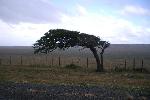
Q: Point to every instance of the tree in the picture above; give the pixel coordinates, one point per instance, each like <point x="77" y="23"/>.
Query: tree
<point x="61" y="38"/>
<point x="103" y="46"/>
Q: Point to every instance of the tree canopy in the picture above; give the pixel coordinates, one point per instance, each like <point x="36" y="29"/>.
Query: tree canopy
<point x="62" y="38"/>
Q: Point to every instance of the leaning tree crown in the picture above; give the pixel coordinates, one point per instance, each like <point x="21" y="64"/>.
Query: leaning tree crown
<point x="62" y="38"/>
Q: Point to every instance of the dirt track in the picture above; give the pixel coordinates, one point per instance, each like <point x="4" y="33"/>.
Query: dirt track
<point x="16" y="91"/>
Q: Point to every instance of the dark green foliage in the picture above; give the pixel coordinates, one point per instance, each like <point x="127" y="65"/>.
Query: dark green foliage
<point x="144" y="70"/>
<point x="72" y="66"/>
<point x="57" y="38"/>
<point x="61" y="38"/>
<point x="119" y="69"/>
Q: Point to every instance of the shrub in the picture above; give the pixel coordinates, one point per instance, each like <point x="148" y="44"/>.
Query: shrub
<point x="72" y="66"/>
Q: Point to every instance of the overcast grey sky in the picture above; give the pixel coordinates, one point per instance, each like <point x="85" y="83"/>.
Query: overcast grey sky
<point x="22" y="22"/>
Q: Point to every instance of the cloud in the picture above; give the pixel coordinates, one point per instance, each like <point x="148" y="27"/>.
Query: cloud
<point x="21" y="34"/>
<point x="81" y="10"/>
<point x="110" y="28"/>
<point x="137" y="10"/>
<point x="34" y="11"/>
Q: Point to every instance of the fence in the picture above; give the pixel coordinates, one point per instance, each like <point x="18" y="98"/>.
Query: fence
<point x="44" y="60"/>
<point x="87" y="62"/>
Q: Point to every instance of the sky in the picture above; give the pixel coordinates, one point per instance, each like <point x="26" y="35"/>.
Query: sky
<point x="23" y="22"/>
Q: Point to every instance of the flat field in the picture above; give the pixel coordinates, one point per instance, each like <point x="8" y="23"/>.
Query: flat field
<point x="38" y="69"/>
<point x="28" y="82"/>
<point x="114" y="56"/>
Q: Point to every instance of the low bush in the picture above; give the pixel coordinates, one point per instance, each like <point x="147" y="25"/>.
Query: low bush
<point x="72" y="66"/>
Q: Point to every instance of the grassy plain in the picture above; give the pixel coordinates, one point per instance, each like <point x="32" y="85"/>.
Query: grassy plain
<point x="36" y="69"/>
<point x="72" y="76"/>
<point x="114" y="56"/>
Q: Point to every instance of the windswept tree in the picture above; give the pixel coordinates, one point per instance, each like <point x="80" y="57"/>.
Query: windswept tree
<point x="61" y="38"/>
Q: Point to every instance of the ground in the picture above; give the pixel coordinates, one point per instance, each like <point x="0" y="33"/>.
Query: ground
<point x="35" y="82"/>
<point x="26" y="91"/>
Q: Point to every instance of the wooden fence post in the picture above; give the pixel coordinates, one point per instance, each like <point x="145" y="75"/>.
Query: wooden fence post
<point x="52" y="61"/>
<point x="10" y="60"/>
<point x="0" y="61"/>
<point x="46" y="60"/>
<point x="125" y="64"/>
<point x="87" y="62"/>
<point x="142" y="66"/>
<point x="72" y="61"/>
<point x="59" y="61"/>
<point x="133" y="63"/>
<point x="79" y="61"/>
<point x="21" y="60"/>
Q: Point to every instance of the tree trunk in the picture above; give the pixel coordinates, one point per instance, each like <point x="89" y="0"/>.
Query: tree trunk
<point x="94" y="51"/>
<point x="102" y="61"/>
<point x="101" y="54"/>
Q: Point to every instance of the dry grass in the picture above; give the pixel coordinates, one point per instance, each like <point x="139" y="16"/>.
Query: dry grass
<point x="79" y="76"/>
<point x="109" y="63"/>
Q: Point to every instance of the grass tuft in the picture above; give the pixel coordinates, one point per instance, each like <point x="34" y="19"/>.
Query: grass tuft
<point x="72" y="66"/>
